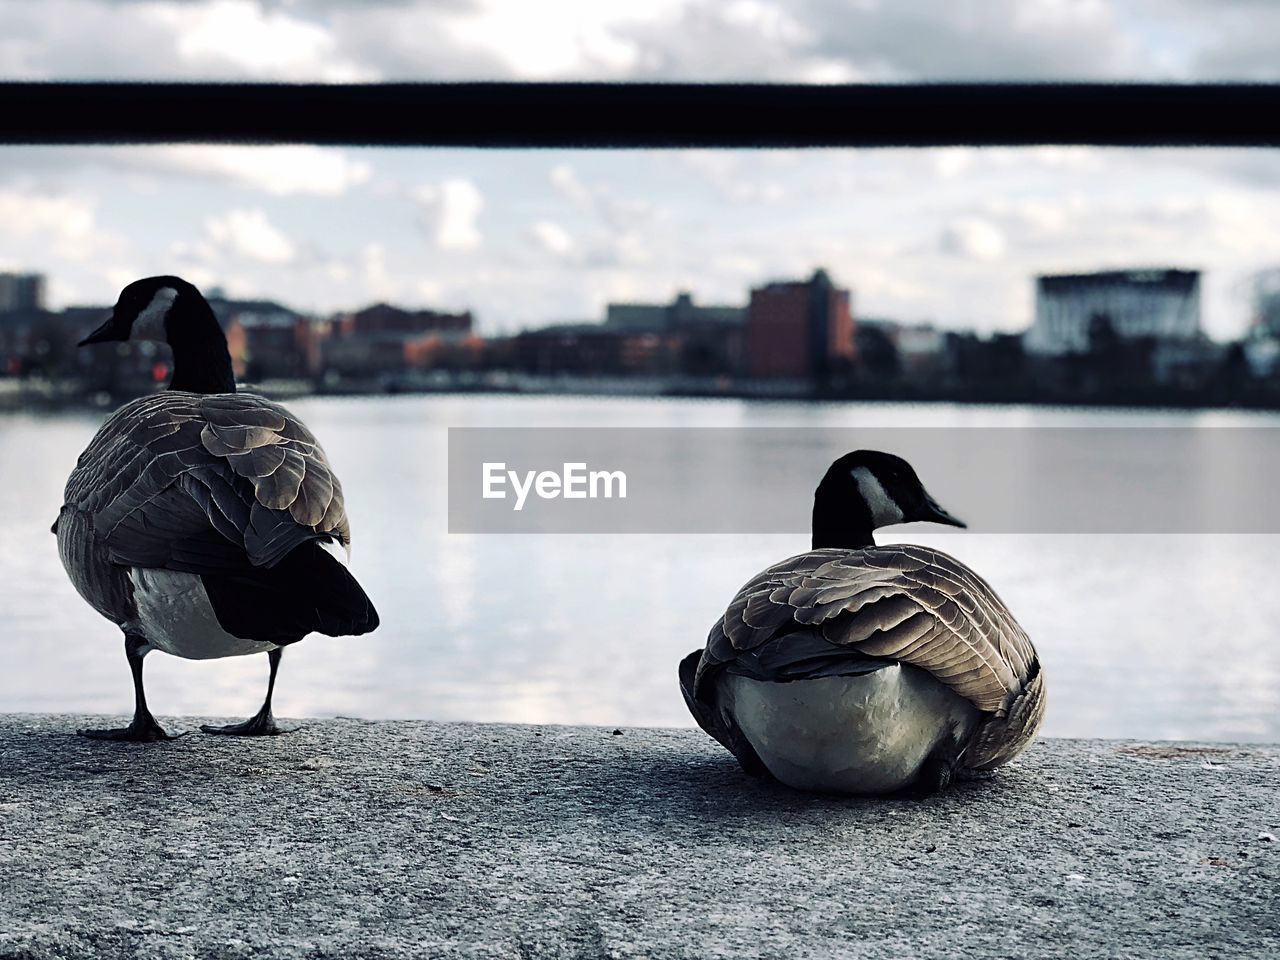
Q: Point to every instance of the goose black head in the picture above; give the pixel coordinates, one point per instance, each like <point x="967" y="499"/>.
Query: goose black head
<point x="170" y="310"/>
<point x="143" y="309"/>
<point x="865" y="490"/>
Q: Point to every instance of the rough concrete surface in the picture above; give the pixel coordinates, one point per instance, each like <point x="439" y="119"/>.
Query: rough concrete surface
<point x="355" y="839"/>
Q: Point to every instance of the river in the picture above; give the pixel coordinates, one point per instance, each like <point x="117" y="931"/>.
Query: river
<point x="1154" y="635"/>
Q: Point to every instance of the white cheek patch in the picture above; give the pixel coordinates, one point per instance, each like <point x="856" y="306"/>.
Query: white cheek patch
<point x="150" y="322"/>
<point x="883" y="509"/>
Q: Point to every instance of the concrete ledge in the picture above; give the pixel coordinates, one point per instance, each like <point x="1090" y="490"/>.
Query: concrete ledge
<point x="354" y="839"/>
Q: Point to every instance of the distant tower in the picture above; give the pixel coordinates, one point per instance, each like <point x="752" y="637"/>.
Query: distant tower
<point x="798" y="329"/>
<point x="1266" y="303"/>
<point x="21" y="291"/>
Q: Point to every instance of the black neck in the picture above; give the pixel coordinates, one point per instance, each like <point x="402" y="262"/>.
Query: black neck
<point x="838" y="522"/>
<point x="201" y="360"/>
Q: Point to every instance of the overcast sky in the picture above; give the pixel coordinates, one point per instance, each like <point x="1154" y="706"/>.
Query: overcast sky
<point x="531" y="237"/>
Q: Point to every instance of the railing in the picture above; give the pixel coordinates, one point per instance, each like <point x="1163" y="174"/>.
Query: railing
<point x="638" y="115"/>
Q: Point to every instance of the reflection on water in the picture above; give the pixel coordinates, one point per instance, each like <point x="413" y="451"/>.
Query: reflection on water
<point x="1151" y="636"/>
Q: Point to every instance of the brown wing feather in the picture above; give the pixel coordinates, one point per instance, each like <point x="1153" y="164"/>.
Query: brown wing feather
<point x="282" y="458"/>
<point x="183" y="473"/>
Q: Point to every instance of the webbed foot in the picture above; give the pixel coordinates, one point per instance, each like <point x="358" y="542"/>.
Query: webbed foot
<point x="261" y="724"/>
<point x="141" y="730"/>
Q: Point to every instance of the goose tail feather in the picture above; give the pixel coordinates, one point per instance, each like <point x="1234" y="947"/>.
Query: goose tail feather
<point x="308" y="591"/>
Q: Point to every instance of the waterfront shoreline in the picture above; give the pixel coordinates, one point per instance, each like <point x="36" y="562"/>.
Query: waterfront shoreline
<point x="16" y="396"/>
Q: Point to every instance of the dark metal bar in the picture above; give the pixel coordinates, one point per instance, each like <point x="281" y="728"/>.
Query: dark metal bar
<point x="641" y="114"/>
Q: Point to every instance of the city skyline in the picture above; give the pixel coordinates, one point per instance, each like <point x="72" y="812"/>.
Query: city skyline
<point x="523" y="238"/>
<point x="26" y="292"/>
<point x="1122" y="337"/>
<point x="950" y="236"/>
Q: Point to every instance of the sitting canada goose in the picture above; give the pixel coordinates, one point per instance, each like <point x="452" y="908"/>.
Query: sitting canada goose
<point x="197" y="518"/>
<point x="857" y="668"/>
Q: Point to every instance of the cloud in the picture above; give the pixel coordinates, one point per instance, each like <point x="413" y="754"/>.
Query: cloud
<point x="744" y="268"/>
<point x="416" y="41"/>
<point x="626" y="249"/>
<point x="601" y="200"/>
<point x="989" y="40"/>
<point x="1218" y="39"/>
<point x="450" y="211"/>
<point x="25" y="214"/>
<point x="167" y="39"/>
<point x="1252" y="168"/>
<point x="824" y="41"/>
<point x="566" y="182"/>
<point x="66" y="39"/>
<point x="278" y="171"/>
<point x="377" y="278"/>
<point x="553" y="38"/>
<point x="752" y="40"/>
<point x="255" y="39"/>
<point x="951" y="162"/>
<point x="972" y="239"/>
<point x="552" y="237"/>
<point x="248" y="234"/>
<point x="616" y="223"/>
<point x="816" y="41"/>
<point x="727" y="172"/>
<point x="119" y="276"/>
<point x="64" y="225"/>
<point x="275" y="170"/>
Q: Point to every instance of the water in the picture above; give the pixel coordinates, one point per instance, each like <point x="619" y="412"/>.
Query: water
<point x="1148" y="636"/>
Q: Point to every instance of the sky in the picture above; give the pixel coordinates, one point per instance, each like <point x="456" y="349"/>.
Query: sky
<point x="525" y="238"/>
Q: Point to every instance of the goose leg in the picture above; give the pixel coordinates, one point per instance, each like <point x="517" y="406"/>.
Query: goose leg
<point x="143" y="728"/>
<point x="938" y="771"/>
<point x="262" y="723"/>
<point x="936" y="774"/>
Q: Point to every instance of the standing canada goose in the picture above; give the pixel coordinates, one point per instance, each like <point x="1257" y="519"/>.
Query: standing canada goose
<point x="857" y="668"/>
<point x="198" y="518"/>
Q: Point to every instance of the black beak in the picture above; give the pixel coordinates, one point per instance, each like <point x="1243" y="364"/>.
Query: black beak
<point x="102" y="334"/>
<point x="935" y="513"/>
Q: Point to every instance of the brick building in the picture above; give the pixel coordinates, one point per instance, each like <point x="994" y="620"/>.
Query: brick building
<point x="266" y="339"/>
<point x="799" y="329"/>
<point x="382" y="318"/>
<point x="383" y="339"/>
<point x="594" y="349"/>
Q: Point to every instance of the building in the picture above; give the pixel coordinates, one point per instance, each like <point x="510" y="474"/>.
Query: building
<point x="33" y="340"/>
<point x="918" y="349"/>
<point x="680" y="314"/>
<point x="922" y="347"/>
<point x="266" y="339"/>
<point x="1266" y="304"/>
<point x="384" y="340"/>
<point x="594" y="349"/>
<point x="21" y="291"/>
<point x="382" y="318"/>
<point x="1072" y="310"/>
<point x="371" y="355"/>
<point x="1261" y="345"/>
<point x="707" y="339"/>
<point x="799" y="329"/>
